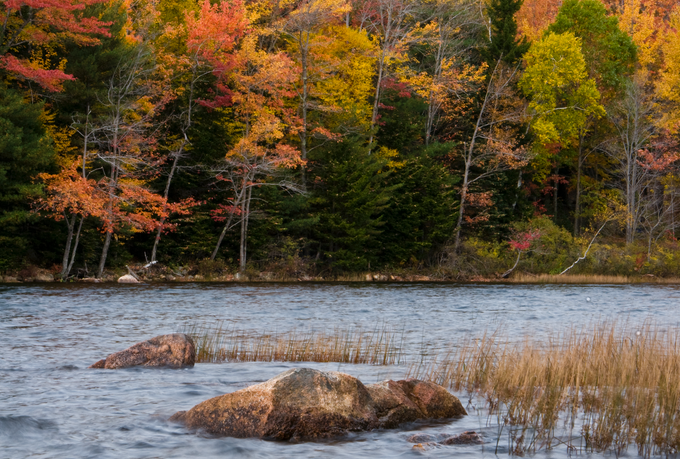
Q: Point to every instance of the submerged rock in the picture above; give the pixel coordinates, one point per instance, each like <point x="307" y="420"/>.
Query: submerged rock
<point x="408" y="400"/>
<point x="176" y="351"/>
<point x="297" y="404"/>
<point x="128" y="279"/>
<point x="469" y="437"/>
<point x="423" y="447"/>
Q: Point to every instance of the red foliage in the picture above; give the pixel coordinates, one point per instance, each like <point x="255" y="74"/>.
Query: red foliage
<point x="223" y="212"/>
<point x="23" y="69"/>
<point x="42" y="22"/>
<point x="213" y="35"/>
<point x="522" y="241"/>
<point x="663" y="152"/>
<point x="392" y="84"/>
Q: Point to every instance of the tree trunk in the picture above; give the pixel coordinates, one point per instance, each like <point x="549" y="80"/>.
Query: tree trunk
<point x="75" y="248"/>
<point x="509" y="271"/>
<point x="557" y="184"/>
<point x="376" y="101"/>
<point x="224" y="231"/>
<point x="461" y="211"/>
<point x="245" y="210"/>
<point x="577" y="206"/>
<point x="67" y="250"/>
<point x="305" y="95"/>
<point x="105" y="252"/>
<point x="165" y="204"/>
<point x="630" y="204"/>
<point x="468" y="162"/>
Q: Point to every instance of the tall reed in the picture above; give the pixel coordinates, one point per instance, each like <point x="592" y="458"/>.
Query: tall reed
<point x="600" y="388"/>
<point x="215" y="343"/>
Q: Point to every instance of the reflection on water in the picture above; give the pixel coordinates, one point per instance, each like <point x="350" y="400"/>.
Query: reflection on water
<point x="52" y="406"/>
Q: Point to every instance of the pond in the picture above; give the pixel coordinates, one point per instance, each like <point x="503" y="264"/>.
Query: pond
<point x="51" y="405"/>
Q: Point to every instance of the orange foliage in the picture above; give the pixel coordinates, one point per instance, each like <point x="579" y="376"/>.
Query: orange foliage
<point x="535" y="16"/>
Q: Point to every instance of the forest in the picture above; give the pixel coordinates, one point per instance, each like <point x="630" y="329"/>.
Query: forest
<point x="315" y="138"/>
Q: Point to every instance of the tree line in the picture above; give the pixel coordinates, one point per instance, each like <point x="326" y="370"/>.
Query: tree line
<point x="331" y="135"/>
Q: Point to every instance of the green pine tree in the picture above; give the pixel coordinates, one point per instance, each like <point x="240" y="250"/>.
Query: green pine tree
<point x="25" y="151"/>
<point x="503" y="43"/>
<point x="349" y="197"/>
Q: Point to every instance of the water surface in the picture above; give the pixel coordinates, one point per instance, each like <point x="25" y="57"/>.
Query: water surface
<point x="51" y="405"/>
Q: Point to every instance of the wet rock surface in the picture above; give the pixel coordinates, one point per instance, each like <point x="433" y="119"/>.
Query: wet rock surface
<point x="306" y="404"/>
<point x="298" y="404"/>
<point x="176" y="350"/>
<point x="425" y="442"/>
<point x="397" y="402"/>
<point x="469" y="437"/>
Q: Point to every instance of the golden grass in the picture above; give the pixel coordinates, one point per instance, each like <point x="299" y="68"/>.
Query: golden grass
<point x="597" y="389"/>
<point x="523" y="278"/>
<point x="380" y="346"/>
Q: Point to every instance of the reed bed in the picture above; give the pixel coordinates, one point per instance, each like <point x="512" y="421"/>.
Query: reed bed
<point x="602" y="388"/>
<point x="217" y="343"/>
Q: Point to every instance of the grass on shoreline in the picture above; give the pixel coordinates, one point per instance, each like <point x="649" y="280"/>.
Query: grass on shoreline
<point x="522" y="278"/>
<point x="380" y="346"/>
<point x="600" y="388"/>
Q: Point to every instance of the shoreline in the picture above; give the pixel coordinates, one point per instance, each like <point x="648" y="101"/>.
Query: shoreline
<point x="363" y="278"/>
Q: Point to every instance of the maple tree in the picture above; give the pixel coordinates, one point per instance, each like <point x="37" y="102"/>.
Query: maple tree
<point x="71" y="196"/>
<point x="43" y="23"/>
<point x="256" y="85"/>
<point x="521" y="242"/>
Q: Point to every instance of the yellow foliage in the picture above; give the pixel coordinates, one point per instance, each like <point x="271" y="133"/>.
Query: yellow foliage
<point x="61" y="137"/>
<point x="637" y="19"/>
<point x="669" y="84"/>
<point x="390" y="155"/>
<point x="562" y="95"/>
<point x="347" y="56"/>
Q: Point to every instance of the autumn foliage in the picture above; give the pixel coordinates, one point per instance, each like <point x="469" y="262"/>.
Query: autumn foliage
<point x="333" y="134"/>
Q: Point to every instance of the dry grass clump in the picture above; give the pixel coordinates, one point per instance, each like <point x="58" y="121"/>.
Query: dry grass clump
<point x="602" y="388"/>
<point x="381" y="346"/>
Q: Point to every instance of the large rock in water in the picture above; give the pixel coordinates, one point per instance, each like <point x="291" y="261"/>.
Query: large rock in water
<point x="297" y="404"/>
<point x="175" y="351"/>
<point x="303" y="404"/>
<point x="408" y="400"/>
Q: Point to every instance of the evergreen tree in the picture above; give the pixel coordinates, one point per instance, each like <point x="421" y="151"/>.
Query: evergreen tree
<point x="503" y="43"/>
<point x="349" y="197"/>
<point x="421" y="216"/>
<point x="25" y="151"/>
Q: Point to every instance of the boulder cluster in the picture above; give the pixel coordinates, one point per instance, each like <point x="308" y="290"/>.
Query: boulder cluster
<point x="298" y="404"/>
